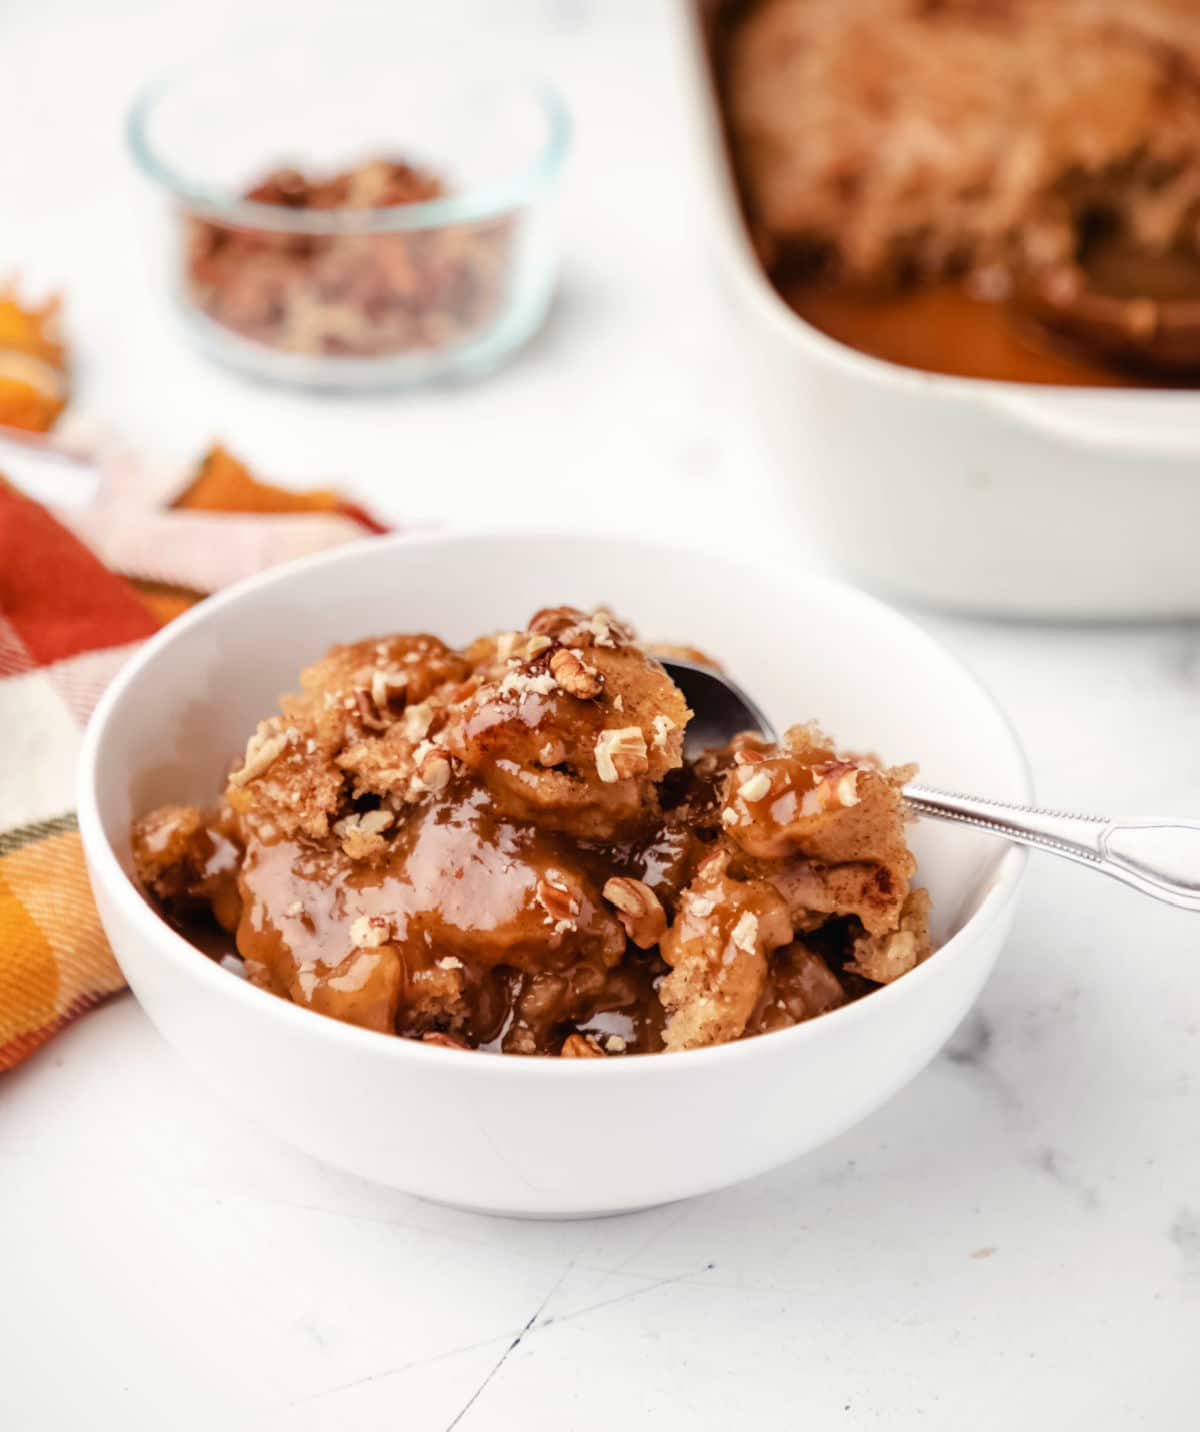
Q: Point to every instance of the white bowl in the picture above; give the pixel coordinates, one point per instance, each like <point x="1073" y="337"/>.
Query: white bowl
<point x="541" y="1136"/>
<point x="1005" y="498"/>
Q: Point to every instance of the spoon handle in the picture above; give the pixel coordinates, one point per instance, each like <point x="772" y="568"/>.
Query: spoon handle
<point x="1158" y="857"/>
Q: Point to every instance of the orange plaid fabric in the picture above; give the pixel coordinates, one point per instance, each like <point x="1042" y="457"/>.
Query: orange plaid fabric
<point x="66" y="625"/>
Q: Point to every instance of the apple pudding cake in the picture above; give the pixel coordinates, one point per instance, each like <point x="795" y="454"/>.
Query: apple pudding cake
<point x="504" y="847"/>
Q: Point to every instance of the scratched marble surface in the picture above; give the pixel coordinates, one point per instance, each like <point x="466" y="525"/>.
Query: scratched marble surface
<point x="1015" y="1239"/>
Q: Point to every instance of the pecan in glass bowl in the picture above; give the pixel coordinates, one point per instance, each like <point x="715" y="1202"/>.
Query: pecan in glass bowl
<point x="368" y="223"/>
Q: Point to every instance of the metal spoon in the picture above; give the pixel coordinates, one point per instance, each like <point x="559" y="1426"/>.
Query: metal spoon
<point x="1158" y="857"/>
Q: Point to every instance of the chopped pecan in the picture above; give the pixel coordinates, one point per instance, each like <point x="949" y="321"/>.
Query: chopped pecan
<point x="432" y="771"/>
<point x="521" y="645"/>
<point x="755" y="787"/>
<point x="663" y="726"/>
<point x="606" y="630"/>
<point x="527" y="683"/>
<point x="368" y="711"/>
<point x="553" y="621"/>
<point x="368" y="932"/>
<point x="747" y="756"/>
<point x="262" y="751"/>
<point x="836" y="785"/>
<point x="389" y="689"/>
<point x="578" y="1046"/>
<point x="362" y="835"/>
<point x="443" y="1041"/>
<point x="620" y="753"/>
<point x="350" y="294"/>
<point x="639" y="910"/>
<point x="560" y="905"/>
<point x="372" y="822"/>
<point x="576" y="676"/>
<point x="417" y="720"/>
<point x="745" y="932"/>
<point x="552" y="752"/>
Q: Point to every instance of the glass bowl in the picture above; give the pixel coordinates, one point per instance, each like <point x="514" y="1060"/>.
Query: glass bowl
<point x="383" y="293"/>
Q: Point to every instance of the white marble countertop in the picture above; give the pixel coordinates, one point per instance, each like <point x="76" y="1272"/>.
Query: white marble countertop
<point x="1014" y="1240"/>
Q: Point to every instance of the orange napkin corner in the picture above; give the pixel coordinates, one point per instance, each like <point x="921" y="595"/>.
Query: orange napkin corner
<point x="67" y="623"/>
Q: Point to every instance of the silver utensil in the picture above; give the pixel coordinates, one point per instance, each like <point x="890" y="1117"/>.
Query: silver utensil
<point x="1158" y="857"/>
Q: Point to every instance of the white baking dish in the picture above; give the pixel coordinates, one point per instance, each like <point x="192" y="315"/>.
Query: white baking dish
<point x="966" y="493"/>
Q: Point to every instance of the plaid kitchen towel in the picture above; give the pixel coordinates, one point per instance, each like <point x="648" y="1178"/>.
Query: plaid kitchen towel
<point x="67" y="622"/>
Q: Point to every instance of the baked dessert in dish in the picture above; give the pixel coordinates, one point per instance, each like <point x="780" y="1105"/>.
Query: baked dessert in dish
<point x="1001" y="188"/>
<point x="504" y="847"/>
<point x="352" y="294"/>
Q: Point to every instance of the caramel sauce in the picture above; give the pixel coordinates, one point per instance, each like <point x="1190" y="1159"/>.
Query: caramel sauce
<point x="461" y="894"/>
<point x="462" y="897"/>
<point x="941" y="328"/>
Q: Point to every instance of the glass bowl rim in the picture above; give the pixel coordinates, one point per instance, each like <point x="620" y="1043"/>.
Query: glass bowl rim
<point x="483" y="201"/>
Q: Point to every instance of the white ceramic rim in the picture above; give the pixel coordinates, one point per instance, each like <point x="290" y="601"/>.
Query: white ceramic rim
<point x="152" y="927"/>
